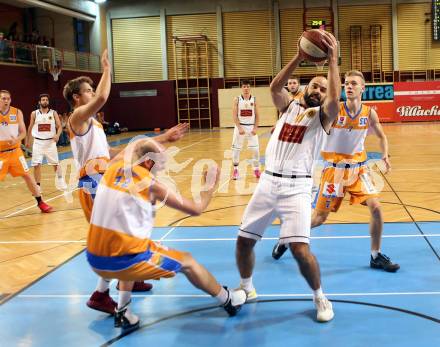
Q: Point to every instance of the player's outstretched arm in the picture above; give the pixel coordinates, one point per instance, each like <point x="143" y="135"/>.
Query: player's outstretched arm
<point x="171" y="199"/>
<point x="331" y="103"/>
<point x="280" y="95"/>
<point x="84" y="112"/>
<point x="173" y="134"/>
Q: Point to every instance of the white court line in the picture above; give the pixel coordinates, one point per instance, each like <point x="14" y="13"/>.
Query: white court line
<point x="288" y="295"/>
<point x="29" y="207"/>
<point x="171" y="230"/>
<point x="224" y="239"/>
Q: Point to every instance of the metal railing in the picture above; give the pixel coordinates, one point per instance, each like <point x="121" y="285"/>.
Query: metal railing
<point x="25" y="54"/>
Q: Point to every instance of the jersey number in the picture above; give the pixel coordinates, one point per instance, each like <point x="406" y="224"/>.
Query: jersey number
<point x="292" y="133"/>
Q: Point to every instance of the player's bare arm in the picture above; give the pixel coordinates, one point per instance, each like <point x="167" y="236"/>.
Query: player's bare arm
<point x="331" y="104"/>
<point x="235" y="116"/>
<point x="173" y="134"/>
<point x="28" y="141"/>
<point x="80" y="116"/>
<point x="383" y="141"/>
<point x="57" y="126"/>
<point x="171" y="199"/>
<point x="280" y="96"/>
<point x="21" y="129"/>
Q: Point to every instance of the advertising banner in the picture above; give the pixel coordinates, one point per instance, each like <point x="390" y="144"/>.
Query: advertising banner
<point x="417" y="101"/>
<point x="380" y="97"/>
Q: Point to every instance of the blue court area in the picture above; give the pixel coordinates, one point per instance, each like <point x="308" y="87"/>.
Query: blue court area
<point x="372" y="307"/>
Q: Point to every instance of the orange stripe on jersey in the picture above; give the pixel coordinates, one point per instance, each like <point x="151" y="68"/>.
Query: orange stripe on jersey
<point x="334" y="157"/>
<point x="109" y="243"/>
<point x="94" y="166"/>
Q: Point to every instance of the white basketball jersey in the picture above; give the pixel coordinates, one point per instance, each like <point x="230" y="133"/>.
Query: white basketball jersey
<point x="296" y="141"/>
<point x="44" y="126"/>
<point x="90" y="149"/>
<point x="246" y="110"/>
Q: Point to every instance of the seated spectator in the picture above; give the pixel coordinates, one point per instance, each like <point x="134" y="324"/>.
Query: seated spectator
<point x="109" y="128"/>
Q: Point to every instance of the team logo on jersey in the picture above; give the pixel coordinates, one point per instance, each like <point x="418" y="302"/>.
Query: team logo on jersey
<point x="13" y="118"/>
<point x="363" y="121"/>
<point x="310" y="113"/>
<point x="330" y="190"/>
<point x="50" y="117"/>
<point x="341" y="121"/>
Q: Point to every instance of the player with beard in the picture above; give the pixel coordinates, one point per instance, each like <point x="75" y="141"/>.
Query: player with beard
<point x="293" y="87"/>
<point x="284" y="189"/>
<point x="45" y="129"/>
<point x="346" y="171"/>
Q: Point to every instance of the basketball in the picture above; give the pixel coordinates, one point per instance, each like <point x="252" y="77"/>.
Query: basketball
<point x="311" y="45"/>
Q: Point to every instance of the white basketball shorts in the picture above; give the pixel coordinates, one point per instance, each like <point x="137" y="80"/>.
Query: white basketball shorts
<point x="237" y="139"/>
<point x="289" y="199"/>
<point x="44" y="148"/>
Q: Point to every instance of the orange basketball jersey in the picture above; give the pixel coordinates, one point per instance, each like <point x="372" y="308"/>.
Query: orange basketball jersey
<point x="9" y="128"/>
<point x="347" y="136"/>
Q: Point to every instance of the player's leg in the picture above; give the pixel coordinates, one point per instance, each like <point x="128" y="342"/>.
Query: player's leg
<point x="254" y="146"/>
<point x="259" y="213"/>
<point x="18" y="167"/>
<point x="237" y="144"/>
<point x="202" y="279"/>
<point x="295" y="215"/>
<point x="378" y="260"/>
<point x="51" y="154"/>
<point x="37" y="160"/>
<point x="124" y="318"/>
<point x="37" y="174"/>
<point x="363" y="191"/>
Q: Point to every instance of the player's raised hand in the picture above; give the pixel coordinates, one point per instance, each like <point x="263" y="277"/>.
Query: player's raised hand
<point x="177" y="132"/>
<point x="332" y="45"/>
<point x="105" y="63"/>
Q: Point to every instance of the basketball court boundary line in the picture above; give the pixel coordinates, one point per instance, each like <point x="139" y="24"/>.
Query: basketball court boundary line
<point x="280" y="295"/>
<point x="162" y="239"/>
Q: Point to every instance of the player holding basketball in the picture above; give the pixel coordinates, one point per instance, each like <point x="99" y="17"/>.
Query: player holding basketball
<point x="346" y="169"/>
<point x="45" y="128"/>
<point x="12" y="161"/>
<point x="245" y="116"/>
<point x="119" y="244"/>
<point x="92" y="155"/>
<point x="284" y="189"/>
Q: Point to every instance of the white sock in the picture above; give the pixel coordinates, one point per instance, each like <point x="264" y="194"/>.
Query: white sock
<point x="102" y="285"/>
<point x="235" y="157"/>
<point x="317" y="294"/>
<point x="374" y="254"/>
<point x="123" y="298"/>
<point x="222" y="296"/>
<point x="246" y="284"/>
<point x="123" y="301"/>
